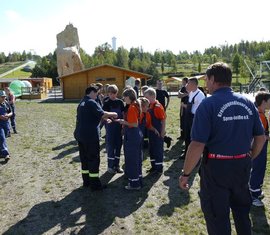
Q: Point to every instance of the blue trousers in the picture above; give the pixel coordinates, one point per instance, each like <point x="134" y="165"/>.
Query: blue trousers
<point x="258" y="172"/>
<point x="224" y="186"/>
<point x="133" y="156"/>
<point x="12" y="118"/>
<point x="156" y="150"/>
<point x="3" y="143"/>
<point x="113" y="144"/>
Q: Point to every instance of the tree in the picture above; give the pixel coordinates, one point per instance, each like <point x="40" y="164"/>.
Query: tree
<point x="199" y="67"/>
<point x="236" y="65"/>
<point x="122" y="58"/>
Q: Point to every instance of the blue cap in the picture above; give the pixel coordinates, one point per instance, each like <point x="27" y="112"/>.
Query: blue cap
<point x="2" y="93"/>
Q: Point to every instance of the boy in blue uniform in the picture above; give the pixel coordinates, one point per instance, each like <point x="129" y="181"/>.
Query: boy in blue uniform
<point x="89" y="115"/>
<point x="158" y="120"/>
<point x="224" y="127"/>
<point x="114" y="130"/>
<point x="262" y="100"/>
<point x="5" y="114"/>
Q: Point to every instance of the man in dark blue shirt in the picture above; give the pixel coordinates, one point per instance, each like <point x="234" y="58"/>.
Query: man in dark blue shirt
<point x="225" y="126"/>
<point x="89" y="115"/>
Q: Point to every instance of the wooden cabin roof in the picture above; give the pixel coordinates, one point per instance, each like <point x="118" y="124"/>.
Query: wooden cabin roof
<point x="131" y="72"/>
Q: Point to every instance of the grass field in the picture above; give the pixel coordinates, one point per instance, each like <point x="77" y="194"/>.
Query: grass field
<point x="18" y="74"/>
<point x="41" y="193"/>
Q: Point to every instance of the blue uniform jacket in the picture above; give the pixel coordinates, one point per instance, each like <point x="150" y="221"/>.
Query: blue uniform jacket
<point x="226" y="122"/>
<point x="89" y="114"/>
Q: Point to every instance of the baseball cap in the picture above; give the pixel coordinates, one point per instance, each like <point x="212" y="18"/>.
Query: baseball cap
<point x="2" y="93"/>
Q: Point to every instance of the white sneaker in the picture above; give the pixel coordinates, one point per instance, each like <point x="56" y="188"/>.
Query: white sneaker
<point x="257" y="202"/>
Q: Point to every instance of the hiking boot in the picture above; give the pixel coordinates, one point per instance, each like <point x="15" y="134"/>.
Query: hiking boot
<point x="111" y="170"/>
<point x="257" y="202"/>
<point x="128" y="187"/>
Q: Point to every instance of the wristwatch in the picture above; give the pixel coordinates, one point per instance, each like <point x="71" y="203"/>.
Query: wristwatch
<point x="184" y="174"/>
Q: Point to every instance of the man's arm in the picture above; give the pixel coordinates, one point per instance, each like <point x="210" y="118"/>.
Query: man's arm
<point x="257" y="145"/>
<point x="195" y="149"/>
<point x="168" y="99"/>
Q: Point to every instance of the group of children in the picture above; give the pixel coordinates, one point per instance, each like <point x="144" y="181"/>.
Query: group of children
<point x="7" y="112"/>
<point x="136" y="117"/>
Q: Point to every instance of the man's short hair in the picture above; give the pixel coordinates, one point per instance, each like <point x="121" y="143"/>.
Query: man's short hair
<point x="91" y="88"/>
<point x="194" y="80"/>
<point x="137" y="81"/>
<point x="221" y="72"/>
<point x="112" y="89"/>
<point x="185" y="79"/>
<point x="261" y="96"/>
<point x="151" y="92"/>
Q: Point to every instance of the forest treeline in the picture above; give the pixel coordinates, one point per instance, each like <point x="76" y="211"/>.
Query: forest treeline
<point x="157" y="63"/>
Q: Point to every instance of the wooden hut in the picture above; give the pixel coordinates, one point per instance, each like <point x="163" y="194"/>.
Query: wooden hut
<point x="73" y="85"/>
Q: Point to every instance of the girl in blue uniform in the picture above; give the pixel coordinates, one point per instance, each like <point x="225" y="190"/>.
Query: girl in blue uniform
<point x="132" y="140"/>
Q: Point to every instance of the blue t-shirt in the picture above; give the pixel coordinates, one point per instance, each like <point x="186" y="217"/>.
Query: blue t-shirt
<point x="89" y="114"/>
<point x="226" y="122"/>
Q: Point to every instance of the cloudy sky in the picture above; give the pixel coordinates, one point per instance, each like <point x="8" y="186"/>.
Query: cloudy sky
<point x="174" y="25"/>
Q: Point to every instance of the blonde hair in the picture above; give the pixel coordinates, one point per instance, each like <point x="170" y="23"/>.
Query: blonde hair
<point x="131" y="94"/>
<point x="144" y="102"/>
<point x="112" y="89"/>
<point x="151" y="92"/>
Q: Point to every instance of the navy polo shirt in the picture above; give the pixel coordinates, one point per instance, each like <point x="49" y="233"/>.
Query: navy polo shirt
<point x="226" y="122"/>
<point x="89" y="114"/>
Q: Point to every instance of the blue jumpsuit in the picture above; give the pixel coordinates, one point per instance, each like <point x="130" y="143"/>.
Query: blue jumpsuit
<point x="4" y="129"/>
<point x="89" y="114"/>
<point x="226" y="123"/>
<point x="258" y="168"/>
<point x="156" y="150"/>
<point x="133" y="155"/>
<point x="114" y="133"/>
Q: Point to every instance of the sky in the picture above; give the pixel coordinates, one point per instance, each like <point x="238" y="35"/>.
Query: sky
<point x="175" y="25"/>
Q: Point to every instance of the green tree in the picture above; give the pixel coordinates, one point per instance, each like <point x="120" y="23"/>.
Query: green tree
<point x="236" y="65"/>
<point x="199" y="67"/>
<point x="122" y="58"/>
<point x="86" y="59"/>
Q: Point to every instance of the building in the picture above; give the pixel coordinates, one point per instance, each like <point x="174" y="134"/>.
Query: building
<point x="74" y="85"/>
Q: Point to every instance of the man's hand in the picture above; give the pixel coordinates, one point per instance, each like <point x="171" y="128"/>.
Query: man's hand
<point x="183" y="182"/>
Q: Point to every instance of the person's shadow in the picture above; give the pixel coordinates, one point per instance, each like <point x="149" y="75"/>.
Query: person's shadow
<point x="259" y="220"/>
<point x="177" y="197"/>
<point x="84" y="211"/>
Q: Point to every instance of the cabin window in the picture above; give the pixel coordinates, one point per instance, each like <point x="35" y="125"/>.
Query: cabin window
<point x="105" y="79"/>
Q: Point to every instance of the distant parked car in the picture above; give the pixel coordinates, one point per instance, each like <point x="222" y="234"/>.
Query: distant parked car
<point x="27" y="68"/>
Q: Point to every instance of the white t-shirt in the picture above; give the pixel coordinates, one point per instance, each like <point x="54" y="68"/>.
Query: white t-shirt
<point x="198" y="99"/>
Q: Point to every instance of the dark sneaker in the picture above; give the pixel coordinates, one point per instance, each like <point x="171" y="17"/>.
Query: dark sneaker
<point x="151" y="170"/>
<point x="257" y="202"/>
<point x="111" y="170"/>
<point x="118" y="170"/>
<point x="168" y="141"/>
<point x="15" y="132"/>
<point x="128" y="187"/>
<point x="7" y="158"/>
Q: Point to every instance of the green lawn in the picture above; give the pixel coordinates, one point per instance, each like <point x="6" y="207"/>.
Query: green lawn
<point x="41" y="185"/>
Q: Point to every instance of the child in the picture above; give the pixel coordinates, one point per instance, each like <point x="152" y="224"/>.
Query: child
<point x="113" y="130"/>
<point x="145" y="121"/>
<point x="158" y="120"/>
<point x="257" y="174"/>
<point x="5" y="114"/>
<point x="132" y="140"/>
